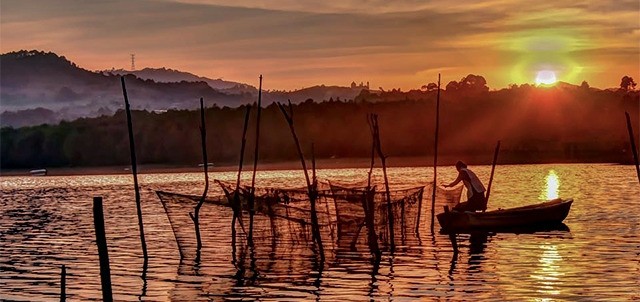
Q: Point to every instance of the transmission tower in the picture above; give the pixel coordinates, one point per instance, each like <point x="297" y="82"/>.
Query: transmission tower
<point x="133" y="62"/>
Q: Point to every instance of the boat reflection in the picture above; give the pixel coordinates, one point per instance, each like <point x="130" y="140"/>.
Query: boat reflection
<point x="478" y="242"/>
<point x="518" y="230"/>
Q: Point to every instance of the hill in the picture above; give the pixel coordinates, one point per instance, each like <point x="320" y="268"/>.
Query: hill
<point x="35" y="79"/>
<point x="167" y="75"/>
<point x="32" y="81"/>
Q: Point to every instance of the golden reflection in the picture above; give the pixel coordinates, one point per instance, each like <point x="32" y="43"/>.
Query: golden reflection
<point x="548" y="275"/>
<point x="553" y="185"/>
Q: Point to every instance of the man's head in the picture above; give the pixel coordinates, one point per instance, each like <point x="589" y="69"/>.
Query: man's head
<point x="460" y="165"/>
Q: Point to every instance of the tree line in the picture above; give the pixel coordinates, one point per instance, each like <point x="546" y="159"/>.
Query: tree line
<point x="535" y="125"/>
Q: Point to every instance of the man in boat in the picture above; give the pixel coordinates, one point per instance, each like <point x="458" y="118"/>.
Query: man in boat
<point x="475" y="190"/>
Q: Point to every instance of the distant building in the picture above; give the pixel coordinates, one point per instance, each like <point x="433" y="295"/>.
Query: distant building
<point x="361" y="85"/>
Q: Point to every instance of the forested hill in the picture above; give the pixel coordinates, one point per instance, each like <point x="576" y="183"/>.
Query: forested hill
<point x="39" y="87"/>
<point x="33" y="80"/>
<point x="167" y="75"/>
<point x="557" y="124"/>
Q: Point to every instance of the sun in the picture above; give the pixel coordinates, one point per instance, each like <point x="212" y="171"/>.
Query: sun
<point x="546" y="77"/>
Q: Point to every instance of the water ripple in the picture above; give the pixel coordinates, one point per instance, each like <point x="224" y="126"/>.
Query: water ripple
<point x="47" y="221"/>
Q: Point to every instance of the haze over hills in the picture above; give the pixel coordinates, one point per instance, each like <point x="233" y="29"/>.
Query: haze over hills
<point x="167" y="75"/>
<point x="317" y="93"/>
<point x="33" y="79"/>
<point x="39" y="87"/>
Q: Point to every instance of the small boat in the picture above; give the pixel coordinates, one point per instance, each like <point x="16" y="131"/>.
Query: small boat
<point x="540" y="215"/>
<point x="38" y="172"/>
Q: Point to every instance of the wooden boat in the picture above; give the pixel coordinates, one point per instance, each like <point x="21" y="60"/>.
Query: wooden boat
<point x="540" y="215"/>
<point x="38" y="172"/>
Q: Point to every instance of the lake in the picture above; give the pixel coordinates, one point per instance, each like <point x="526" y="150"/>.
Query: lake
<point x="47" y="221"/>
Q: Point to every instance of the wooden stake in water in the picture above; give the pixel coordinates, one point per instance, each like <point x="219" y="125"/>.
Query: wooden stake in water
<point x="493" y="168"/>
<point x="369" y="203"/>
<point x="63" y="284"/>
<point x="312" y="191"/>
<point x="383" y="161"/>
<point x="236" y="205"/>
<point x="435" y="158"/>
<point x="134" y="169"/>
<point x="103" y="254"/>
<point x="373" y="151"/>
<point x="255" y="166"/>
<point x="633" y="144"/>
<point x="195" y="216"/>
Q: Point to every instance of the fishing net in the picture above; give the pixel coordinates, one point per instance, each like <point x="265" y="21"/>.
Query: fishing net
<point x="352" y="204"/>
<point x="282" y="216"/>
<point x="177" y="207"/>
<point x="282" y="220"/>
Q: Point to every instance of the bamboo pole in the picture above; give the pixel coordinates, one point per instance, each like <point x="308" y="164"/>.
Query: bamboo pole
<point x="195" y="216"/>
<point x="373" y="151"/>
<point x="435" y="158"/>
<point x="236" y="204"/>
<point x="134" y="169"/>
<point x="63" y="284"/>
<point x="493" y="168"/>
<point x="312" y="191"/>
<point x="314" y="179"/>
<point x="383" y="161"/>
<point x="103" y="253"/>
<point x="315" y="182"/>
<point x="255" y="166"/>
<point x="368" y="202"/>
<point x="289" y="118"/>
<point x="633" y="144"/>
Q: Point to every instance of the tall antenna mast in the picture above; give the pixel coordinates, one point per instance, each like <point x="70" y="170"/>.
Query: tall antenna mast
<point x="133" y="62"/>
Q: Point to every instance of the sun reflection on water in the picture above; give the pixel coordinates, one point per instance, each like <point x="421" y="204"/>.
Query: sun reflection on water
<point x="549" y="275"/>
<point x="552" y="188"/>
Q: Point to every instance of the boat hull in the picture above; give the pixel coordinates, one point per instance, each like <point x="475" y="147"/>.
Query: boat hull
<point x="543" y="215"/>
<point x="38" y="172"/>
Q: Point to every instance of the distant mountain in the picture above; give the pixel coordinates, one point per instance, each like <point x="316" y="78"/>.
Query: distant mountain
<point x="29" y="117"/>
<point x="165" y="75"/>
<point x="42" y="87"/>
<point x="317" y="93"/>
<point x="44" y="80"/>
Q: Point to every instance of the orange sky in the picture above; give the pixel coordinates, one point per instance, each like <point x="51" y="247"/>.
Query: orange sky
<point x="391" y="44"/>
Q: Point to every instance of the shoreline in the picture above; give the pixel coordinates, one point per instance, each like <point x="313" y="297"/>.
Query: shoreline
<point x="342" y="163"/>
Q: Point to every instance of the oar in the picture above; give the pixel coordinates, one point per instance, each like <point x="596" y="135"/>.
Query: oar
<point x="493" y="169"/>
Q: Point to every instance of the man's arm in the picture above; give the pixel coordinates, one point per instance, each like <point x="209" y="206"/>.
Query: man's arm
<point x="455" y="182"/>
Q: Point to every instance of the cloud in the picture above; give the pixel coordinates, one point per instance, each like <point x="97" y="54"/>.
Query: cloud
<point x="331" y="42"/>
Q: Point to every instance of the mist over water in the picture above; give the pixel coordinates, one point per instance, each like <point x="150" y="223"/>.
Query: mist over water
<point x="47" y="221"/>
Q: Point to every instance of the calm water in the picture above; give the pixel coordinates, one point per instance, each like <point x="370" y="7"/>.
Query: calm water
<point x="47" y="221"/>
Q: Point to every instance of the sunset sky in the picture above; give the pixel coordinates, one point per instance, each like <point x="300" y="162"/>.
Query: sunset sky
<point x="392" y="44"/>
